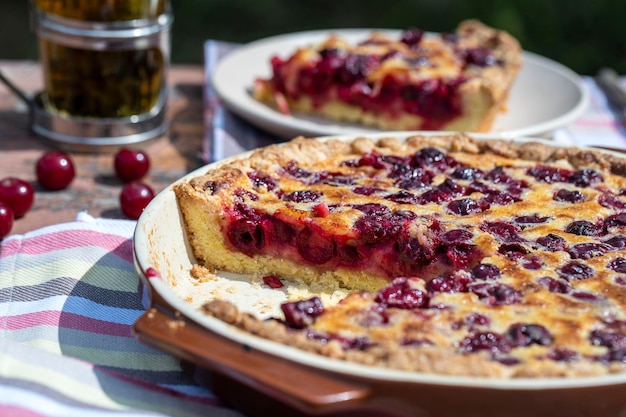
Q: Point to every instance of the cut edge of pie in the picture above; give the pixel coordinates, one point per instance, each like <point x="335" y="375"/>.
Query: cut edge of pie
<point x="205" y="221"/>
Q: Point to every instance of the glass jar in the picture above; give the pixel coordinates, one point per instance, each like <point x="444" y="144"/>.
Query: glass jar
<point x="103" y="70"/>
<point x="112" y="82"/>
<point x="104" y="10"/>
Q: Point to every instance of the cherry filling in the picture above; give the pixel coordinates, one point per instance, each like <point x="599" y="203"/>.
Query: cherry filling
<point x="583" y="228"/>
<point x="552" y="242"/>
<point x="586" y="177"/>
<point x="336" y="74"/>
<point x="467" y="173"/>
<point x="299" y="314"/>
<point x="481" y="57"/>
<point x="588" y="250"/>
<point x="379" y="241"/>
<point x="247" y="236"/>
<point x="412" y="36"/>
<point x="303" y="196"/>
<point x="526" y="334"/>
<point x="492" y="342"/>
<point x="476" y="320"/>
<point x="262" y="180"/>
<point x="401" y="294"/>
<point x="486" y="271"/>
<point x="530" y="219"/>
<point x="464" y="207"/>
<point x="498" y="345"/>
<point x="611" y="201"/>
<point x="618" y="265"/>
<point x="548" y="174"/>
<point x="615" y="223"/>
<point x="562" y="355"/>
<point x="448" y="284"/>
<point x="569" y="196"/>
<point x="606" y="338"/>
<point x="581" y="178"/>
<point x="272" y="281"/>
<point x="560" y="286"/>
<point x="575" y="271"/>
<point x="503" y="232"/>
<point x="496" y="294"/>
<point x="617" y="242"/>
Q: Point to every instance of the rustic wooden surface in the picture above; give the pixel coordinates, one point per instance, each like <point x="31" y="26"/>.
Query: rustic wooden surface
<point x="96" y="189"/>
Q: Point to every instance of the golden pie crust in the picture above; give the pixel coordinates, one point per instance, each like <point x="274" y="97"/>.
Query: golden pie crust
<point x="586" y="324"/>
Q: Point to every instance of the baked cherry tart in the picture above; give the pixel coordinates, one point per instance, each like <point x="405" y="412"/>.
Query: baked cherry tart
<point x="415" y="81"/>
<point x="459" y="256"/>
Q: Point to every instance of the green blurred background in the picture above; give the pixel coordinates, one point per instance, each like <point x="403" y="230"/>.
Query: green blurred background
<point x="584" y="35"/>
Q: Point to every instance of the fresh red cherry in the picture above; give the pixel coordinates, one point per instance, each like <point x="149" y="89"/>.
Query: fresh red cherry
<point x="131" y="164"/>
<point x="134" y="198"/>
<point x="55" y="170"/>
<point x="18" y="194"/>
<point x="6" y="219"/>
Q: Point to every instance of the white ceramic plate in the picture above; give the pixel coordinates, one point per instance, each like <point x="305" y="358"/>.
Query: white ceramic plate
<point x="160" y="243"/>
<point x="546" y="95"/>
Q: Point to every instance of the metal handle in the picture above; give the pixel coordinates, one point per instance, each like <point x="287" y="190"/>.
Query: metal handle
<point x="608" y="81"/>
<point x="16" y="90"/>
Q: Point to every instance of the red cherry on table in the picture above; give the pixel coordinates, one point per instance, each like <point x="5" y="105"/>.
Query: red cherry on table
<point x="18" y="194"/>
<point x="131" y="164"/>
<point x="6" y="220"/>
<point x="134" y="197"/>
<point x="55" y="170"/>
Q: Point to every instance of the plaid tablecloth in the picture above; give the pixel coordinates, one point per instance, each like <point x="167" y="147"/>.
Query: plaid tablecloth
<point x="68" y="299"/>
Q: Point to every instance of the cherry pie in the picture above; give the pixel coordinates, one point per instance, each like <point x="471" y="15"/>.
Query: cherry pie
<point x="453" y="81"/>
<point x="461" y="256"/>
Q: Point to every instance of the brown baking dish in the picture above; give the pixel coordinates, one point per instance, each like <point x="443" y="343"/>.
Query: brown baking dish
<point x="264" y="378"/>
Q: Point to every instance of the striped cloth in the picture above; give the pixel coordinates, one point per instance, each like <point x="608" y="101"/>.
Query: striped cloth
<point x="68" y="300"/>
<point x="597" y="126"/>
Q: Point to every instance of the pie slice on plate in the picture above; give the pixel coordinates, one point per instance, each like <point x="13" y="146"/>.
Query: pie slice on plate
<point x="420" y="81"/>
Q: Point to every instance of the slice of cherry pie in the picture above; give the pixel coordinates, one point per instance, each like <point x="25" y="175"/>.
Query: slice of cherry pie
<point x="463" y="256"/>
<point x="419" y="81"/>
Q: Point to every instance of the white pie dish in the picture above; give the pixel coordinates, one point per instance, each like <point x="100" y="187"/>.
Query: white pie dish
<point x="313" y="384"/>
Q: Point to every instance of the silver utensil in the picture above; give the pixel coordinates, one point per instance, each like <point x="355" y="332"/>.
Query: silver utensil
<point x="608" y="81"/>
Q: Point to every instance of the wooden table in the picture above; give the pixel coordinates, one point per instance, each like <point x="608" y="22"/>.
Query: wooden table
<point x="96" y="189"/>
